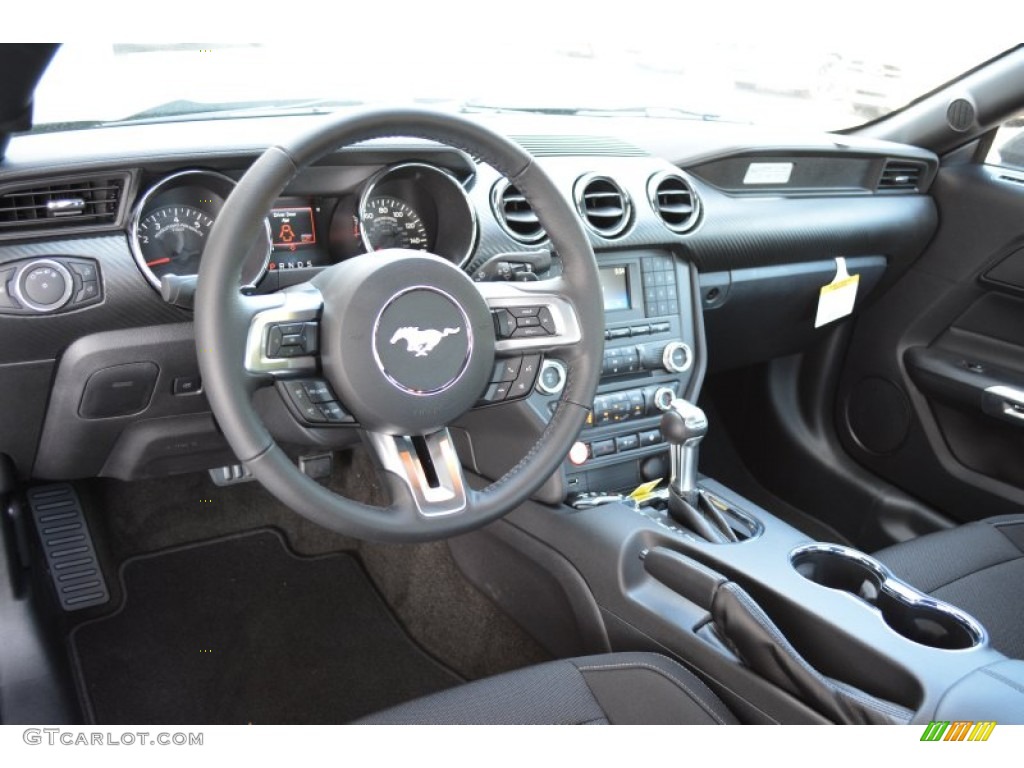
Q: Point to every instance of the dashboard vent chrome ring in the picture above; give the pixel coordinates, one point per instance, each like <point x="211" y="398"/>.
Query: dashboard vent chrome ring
<point x="515" y="214"/>
<point x="674" y="199"/>
<point x="603" y="204"/>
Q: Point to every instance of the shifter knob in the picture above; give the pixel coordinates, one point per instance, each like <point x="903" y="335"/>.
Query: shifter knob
<point x="683" y="423"/>
<point x="683" y="426"/>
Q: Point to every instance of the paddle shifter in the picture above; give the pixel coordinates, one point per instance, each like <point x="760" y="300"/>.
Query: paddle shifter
<point x="683" y="426"/>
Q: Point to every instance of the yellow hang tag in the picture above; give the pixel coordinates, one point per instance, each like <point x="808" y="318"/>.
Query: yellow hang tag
<point x="836" y="299"/>
<point x="644" y="491"/>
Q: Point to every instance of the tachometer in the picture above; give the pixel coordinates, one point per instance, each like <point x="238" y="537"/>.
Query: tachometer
<point x="172" y="222"/>
<point x="387" y="222"/>
<point x="171" y="239"/>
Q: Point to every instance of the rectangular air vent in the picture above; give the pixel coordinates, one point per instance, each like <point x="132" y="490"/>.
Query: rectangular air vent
<point x="901" y="176"/>
<point x="64" y="203"/>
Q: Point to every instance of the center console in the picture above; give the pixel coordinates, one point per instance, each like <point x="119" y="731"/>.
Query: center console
<point x="782" y="627"/>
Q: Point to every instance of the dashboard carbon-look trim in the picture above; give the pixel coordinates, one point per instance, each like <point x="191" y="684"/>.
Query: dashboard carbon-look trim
<point x="128" y="300"/>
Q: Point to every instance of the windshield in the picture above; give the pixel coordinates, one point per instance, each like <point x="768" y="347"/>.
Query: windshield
<point x="829" y="84"/>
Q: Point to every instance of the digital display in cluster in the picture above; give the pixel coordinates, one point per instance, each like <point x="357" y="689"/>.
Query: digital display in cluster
<point x="291" y="228"/>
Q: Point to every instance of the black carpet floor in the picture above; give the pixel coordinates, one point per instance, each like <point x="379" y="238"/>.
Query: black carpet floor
<point x="241" y="630"/>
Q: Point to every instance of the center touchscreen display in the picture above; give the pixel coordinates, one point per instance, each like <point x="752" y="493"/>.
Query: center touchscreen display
<point x="615" y="287"/>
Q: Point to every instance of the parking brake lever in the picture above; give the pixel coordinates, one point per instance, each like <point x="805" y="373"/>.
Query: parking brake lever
<point x="683" y="426"/>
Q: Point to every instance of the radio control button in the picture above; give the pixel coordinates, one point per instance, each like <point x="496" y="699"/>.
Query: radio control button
<point x="677" y="357"/>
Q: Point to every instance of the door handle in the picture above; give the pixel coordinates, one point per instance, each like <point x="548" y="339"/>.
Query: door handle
<point x="1004" y="402"/>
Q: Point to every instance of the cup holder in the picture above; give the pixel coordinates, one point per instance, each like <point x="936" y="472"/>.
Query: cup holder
<point x="908" y="612"/>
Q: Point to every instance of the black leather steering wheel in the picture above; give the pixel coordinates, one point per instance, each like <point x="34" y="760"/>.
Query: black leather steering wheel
<point x="406" y="340"/>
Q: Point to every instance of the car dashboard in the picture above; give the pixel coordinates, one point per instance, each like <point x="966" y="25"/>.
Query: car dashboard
<point x="712" y="241"/>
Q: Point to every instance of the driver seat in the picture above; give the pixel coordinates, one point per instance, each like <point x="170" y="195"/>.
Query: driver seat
<point x="612" y="688"/>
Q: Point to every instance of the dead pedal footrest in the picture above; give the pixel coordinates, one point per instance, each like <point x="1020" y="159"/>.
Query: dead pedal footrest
<point x="70" y="556"/>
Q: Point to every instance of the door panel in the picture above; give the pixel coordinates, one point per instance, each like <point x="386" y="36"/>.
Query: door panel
<point x="929" y="390"/>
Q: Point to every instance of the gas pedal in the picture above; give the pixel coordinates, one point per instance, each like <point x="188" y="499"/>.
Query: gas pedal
<point x="70" y="555"/>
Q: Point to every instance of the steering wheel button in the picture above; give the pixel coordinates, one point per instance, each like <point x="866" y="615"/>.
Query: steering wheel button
<point x="313" y="414"/>
<point x="530" y="332"/>
<point x="311" y="337"/>
<point x="547" y="322"/>
<point x="318" y="391"/>
<point x="334" y="412"/>
<point x="524" y="322"/>
<point x="291" y="329"/>
<point x="274" y="337"/>
<point x="504" y="324"/>
<point x="293" y="339"/>
<point x="507" y="369"/>
<point x="496" y="392"/>
<point x="521" y="312"/>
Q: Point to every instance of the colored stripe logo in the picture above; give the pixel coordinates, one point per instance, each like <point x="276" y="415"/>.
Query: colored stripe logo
<point x="958" y="730"/>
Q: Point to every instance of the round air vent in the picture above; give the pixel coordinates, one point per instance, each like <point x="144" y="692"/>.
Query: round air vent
<point x="674" y="200"/>
<point x="515" y="214"/>
<point x="960" y="114"/>
<point x="603" y="205"/>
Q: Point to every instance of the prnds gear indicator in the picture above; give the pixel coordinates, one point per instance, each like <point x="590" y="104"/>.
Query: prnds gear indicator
<point x="292" y="228"/>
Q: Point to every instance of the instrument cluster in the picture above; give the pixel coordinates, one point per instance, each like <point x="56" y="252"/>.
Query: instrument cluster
<point x="416" y="206"/>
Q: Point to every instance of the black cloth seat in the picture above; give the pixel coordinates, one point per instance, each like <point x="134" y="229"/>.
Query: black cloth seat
<point x="978" y="567"/>
<point x="616" y="688"/>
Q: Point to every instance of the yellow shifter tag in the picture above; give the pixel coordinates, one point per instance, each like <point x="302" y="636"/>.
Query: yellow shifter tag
<point x="644" y="491"/>
<point x="836" y="299"/>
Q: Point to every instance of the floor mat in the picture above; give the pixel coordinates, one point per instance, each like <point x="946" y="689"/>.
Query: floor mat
<point x="241" y="630"/>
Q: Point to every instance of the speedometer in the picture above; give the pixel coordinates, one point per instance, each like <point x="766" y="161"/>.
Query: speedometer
<point x="388" y="222"/>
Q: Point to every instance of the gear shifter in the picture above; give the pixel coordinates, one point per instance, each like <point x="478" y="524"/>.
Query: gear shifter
<point x="683" y="426"/>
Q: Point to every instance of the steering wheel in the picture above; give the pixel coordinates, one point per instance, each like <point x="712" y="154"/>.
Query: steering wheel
<point x="405" y="339"/>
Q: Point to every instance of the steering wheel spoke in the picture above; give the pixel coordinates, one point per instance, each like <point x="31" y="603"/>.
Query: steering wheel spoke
<point x="427" y="467"/>
<point x="284" y="332"/>
<point x="531" y="316"/>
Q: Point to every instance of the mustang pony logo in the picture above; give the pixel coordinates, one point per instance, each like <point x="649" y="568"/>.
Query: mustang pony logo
<point x="421" y="342"/>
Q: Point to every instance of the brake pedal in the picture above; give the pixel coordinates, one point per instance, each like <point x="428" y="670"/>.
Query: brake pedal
<point x="67" y="543"/>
